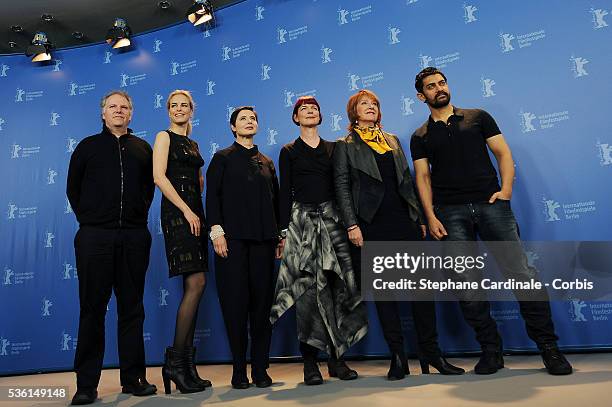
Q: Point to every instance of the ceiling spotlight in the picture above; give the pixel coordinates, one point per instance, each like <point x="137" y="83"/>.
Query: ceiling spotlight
<point x="40" y="48"/>
<point x="164" y="5"/>
<point x="12" y="44"/>
<point x="77" y="35"/>
<point x="16" y="28"/>
<point x="200" y="12"/>
<point x="47" y="18"/>
<point x="119" y="35"/>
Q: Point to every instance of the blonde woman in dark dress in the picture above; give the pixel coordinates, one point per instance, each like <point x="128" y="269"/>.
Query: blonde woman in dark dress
<point x="177" y="172"/>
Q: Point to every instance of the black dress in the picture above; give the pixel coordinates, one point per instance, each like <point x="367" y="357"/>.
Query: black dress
<point x="186" y="253"/>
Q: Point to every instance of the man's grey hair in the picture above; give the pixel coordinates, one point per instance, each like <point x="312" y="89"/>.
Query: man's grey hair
<point x="116" y="92"/>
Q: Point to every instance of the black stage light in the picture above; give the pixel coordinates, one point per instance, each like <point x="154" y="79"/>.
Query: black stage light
<point x="40" y="48"/>
<point x="200" y="12"/>
<point x="119" y="35"/>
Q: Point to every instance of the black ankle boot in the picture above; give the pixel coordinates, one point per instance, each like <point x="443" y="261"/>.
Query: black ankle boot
<point x="555" y="362"/>
<point x="490" y="362"/>
<point x="399" y="367"/>
<point x="441" y="365"/>
<point x="195" y="377"/>
<point x="312" y="374"/>
<point x="239" y="378"/>
<point x="176" y="369"/>
<point x="338" y="368"/>
<point x="261" y="378"/>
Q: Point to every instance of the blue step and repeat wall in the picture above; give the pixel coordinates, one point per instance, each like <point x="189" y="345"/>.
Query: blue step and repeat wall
<point x="541" y="69"/>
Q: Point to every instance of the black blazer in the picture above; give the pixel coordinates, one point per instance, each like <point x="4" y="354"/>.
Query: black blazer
<point x="359" y="186"/>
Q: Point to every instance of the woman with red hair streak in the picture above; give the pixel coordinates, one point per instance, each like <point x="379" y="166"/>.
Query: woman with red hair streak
<point x="377" y="202"/>
<point x="316" y="272"/>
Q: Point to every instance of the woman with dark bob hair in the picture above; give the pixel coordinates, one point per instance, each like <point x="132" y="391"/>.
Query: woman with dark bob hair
<point x="242" y="207"/>
<point x="316" y="273"/>
<point x="377" y="202"/>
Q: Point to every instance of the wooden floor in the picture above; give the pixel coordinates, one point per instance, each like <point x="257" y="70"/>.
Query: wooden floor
<point x="523" y="382"/>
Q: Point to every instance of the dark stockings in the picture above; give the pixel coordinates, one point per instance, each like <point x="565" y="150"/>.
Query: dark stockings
<point x="193" y="287"/>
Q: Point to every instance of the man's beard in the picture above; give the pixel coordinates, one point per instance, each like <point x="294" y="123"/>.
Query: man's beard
<point x="435" y="103"/>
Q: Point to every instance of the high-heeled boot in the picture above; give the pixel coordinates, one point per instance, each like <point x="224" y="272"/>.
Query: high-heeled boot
<point x="399" y="367"/>
<point x="441" y="365"/>
<point x="195" y="377"/>
<point x="175" y="369"/>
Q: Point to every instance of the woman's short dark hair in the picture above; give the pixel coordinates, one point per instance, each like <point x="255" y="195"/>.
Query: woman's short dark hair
<point x="430" y="70"/>
<point x="239" y="109"/>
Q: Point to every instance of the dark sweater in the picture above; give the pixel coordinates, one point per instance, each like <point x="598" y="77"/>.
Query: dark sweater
<point x="110" y="181"/>
<point x="306" y="175"/>
<point x="242" y="193"/>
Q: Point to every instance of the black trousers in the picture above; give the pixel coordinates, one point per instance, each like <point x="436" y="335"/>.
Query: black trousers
<point x="107" y="260"/>
<point x="245" y="284"/>
<point x="423" y="315"/>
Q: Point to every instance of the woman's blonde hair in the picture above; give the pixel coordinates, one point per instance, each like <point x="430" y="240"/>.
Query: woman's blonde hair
<point x="187" y="94"/>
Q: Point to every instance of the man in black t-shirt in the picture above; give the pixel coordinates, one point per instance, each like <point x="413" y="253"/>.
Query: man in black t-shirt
<point x="462" y="198"/>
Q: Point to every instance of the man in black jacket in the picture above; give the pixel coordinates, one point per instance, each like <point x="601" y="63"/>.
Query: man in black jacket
<point x="110" y="188"/>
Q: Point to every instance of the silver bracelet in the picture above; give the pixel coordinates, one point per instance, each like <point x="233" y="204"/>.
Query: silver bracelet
<point x="215" y="232"/>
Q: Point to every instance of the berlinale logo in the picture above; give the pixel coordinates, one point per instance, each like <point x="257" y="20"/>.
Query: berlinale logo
<point x="46" y="305"/>
<point x="163" y="294"/>
<point x="325" y="56"/>
<point x="210" y="87"/>
<point x="335" y="122"/>
<point x="506" y="42"/>
<point x="259" y="13"/>
<point x="393" y="33"/>
<point x="575" y="311"/>
<point x="156" y="45"/>
<point x="54" y="117"/>
<point x="550" y="210"/>
<point x="3" y="70"/>
<point x="605" y="153"/>
<point x="407" y="103"/>
<point x="468" y="13"/>
<point x="272" y="137"/>
<point x="487" y="87"/>
<point x="265" y="72"/>
<point x="578" y="64"/>
<point x="598" y="18"/>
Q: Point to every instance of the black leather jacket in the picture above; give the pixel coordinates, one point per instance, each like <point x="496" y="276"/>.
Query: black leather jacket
<point x="359" y="186"/>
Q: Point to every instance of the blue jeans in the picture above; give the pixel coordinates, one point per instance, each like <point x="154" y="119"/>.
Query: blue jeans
<point x="496" y="222"/>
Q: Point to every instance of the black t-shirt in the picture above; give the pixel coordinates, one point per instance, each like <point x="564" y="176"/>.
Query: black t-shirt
<point x="461" y="168"/>
<point x="306" y="175"/>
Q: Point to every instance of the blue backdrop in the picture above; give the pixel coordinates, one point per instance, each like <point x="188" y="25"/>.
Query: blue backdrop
<point x="538" y="68"/>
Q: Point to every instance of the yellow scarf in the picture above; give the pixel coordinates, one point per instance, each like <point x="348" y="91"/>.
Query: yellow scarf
<point x="373" y="137"/>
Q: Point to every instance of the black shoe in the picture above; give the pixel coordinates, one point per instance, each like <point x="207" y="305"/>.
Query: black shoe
<point x="398" y="368"/>
<point x="312" y="374"/>
<point x="139" y="387"/>
<point x="239" y="379"/>
<point x="441" y="365"/>
<point x="190" y="355"/>
<point x="261" y="378"/>
<point x="175" y="369"/>
<point x="555" y="362"/>
<point x="490" y="362"/>
<point x="84" y="396"/>
<point x="338" y="368"/>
